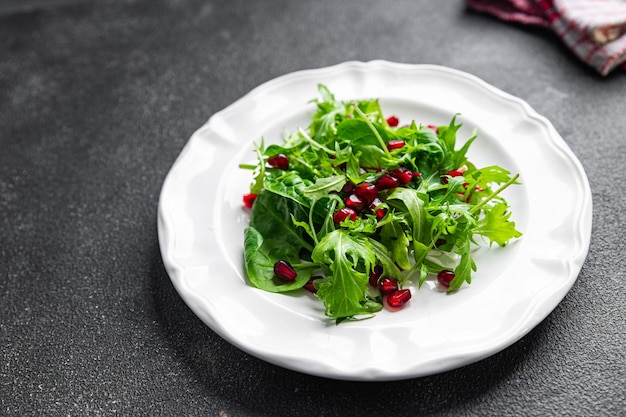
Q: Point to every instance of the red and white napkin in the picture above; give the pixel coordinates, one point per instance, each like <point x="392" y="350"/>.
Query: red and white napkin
<point x="595" y="30"/>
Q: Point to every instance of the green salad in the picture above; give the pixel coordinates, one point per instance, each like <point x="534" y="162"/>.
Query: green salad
<point x="357" y="204"/>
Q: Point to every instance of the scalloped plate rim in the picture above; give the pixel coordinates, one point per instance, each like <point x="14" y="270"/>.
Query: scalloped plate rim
<point x="544" y="304"/>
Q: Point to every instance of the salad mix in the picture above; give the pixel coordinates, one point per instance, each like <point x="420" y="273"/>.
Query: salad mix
<point x="358" y="203"/>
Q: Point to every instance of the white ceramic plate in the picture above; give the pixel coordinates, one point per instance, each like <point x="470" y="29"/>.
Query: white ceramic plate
<point x="201" y="223"/>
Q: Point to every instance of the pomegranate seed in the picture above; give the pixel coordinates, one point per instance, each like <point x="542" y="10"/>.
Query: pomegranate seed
<point x="398" y="298"/>
<point x="453" y="173"/>
<point x="393" y="121"/>
<point x="388" y="286"/>
<point x="375" y="203"/>
<point x="366" y="191"/>
<point x="355" y="202"/>
<point x="379" y="212"/>
<point x="248" y="199"/>
<point x="375" y="274"/>
<point x="310" y="286"/>
<point x="284" y="271"/>
<point x="343" y="214"/>
<point x="445" y="277"/>
<point x="403" y="175"/>
<point x="395" y="144"/>
<point x="386" y="182"/>
<point x="348" y="188"/>
<point x="279" y="161"/>
<point x="433" y="128"/>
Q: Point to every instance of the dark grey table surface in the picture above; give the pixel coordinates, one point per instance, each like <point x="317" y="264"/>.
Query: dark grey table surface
<point x="97" y="99"/>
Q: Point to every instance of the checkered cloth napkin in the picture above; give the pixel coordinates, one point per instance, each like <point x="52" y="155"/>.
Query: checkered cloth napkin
<point x="595" y="30"/>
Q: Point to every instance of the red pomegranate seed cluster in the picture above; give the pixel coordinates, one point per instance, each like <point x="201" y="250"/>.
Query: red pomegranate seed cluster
<point x="363" y="198"/>
<point x="394" y="298"/>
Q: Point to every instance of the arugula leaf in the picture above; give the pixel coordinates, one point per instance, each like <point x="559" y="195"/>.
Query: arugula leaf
<point x="413" y="206"/>
<point x="358" y="132"/>
<point x="257" y="184"/>
<point x="463" y="271"/>
<point x="459" y="157"/>
<point x="326" y="116"/>
<point x="384" y="258"/>
<point x="454" y="186"/>
<point x="496" y="225"/>
<point x="324" y="186"/>
<point x="349" y="260"/>
<point x="447" y="134"/>
<point x="394" y="237"/>
<point x="304" y="225"/>
<point x="490" y="174"/>
<point x="353" y="169"/>
<point x="454" y="158"/>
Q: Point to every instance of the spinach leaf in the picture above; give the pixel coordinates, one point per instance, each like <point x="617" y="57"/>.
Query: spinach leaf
<point x="261" y="254"/>
<point x="271" y="217"/>
<point x="289" y="185"/>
